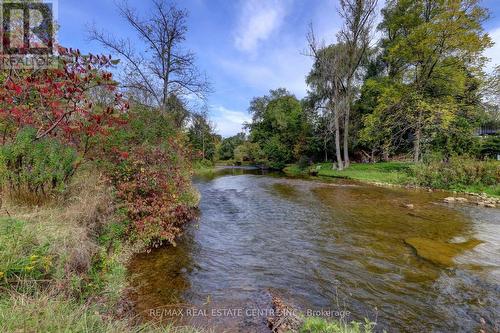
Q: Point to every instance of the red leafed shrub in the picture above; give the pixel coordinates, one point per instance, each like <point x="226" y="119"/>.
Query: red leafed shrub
<point x="154" y="186"/>
<point x="59" y="101"/>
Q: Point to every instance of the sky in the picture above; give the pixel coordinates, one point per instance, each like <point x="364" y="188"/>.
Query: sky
<point x="246" y="47"/>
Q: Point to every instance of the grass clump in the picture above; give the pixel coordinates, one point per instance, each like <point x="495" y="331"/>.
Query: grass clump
<point x="459" y="174"/>
<point x="44" y="312"/>
<point x="22" y="256"/>
<point x="320" y="325"/>
<point x="52" y="264"/>
<point x="294" y="170"/>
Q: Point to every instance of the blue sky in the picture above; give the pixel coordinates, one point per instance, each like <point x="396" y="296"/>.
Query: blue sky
<point x="246" y="47"/>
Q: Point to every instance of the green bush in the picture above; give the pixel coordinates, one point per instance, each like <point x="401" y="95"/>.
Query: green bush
<point x="458" y="173"/>
<point x="36" y="167"/>
<point x="490" y="147"/>
<point x="248" y="152"/>
<point x="277" y="153"/>
<point x="203" y="164"/>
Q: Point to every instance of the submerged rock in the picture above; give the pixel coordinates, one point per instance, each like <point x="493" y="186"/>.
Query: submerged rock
<point x="455" y="199"/>
<point x="437" y="252"/>
<point x="487" y="204"/>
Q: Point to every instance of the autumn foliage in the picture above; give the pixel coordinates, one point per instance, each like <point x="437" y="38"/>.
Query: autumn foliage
<point x="53" y="119"/>
<point x="154" y="186"/>
<point x="58" y="101"/>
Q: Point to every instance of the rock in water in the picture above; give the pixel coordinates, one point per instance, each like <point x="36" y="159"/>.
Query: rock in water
<point x="438" y="252"/>
<point x="455" y="199"/>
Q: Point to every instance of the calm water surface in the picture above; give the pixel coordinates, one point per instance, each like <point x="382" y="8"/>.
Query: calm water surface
<point x="322" y="245"/>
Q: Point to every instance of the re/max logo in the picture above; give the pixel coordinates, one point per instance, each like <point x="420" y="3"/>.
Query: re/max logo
<point x="27" y="27"/>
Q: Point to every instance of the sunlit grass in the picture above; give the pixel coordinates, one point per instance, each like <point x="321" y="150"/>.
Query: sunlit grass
<point x="319" y="325"/>
<point x="386" y="172"/>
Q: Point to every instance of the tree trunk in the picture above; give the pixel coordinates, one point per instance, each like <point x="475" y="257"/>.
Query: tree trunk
<point x="416" y="152"/>
<point x="340" y="164"/>
<point x="347" y="107"/>
<point x="203" y="145"/>
<point x="166" y="79"/>
<point x="325" y="147"/>
<point x="418" y="138"/>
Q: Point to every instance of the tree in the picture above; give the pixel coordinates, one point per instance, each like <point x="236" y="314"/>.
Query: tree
<point x="279" y="126"/>
<point x="358" y="18"/>
<point x="163" y="68"/>
<point x="336" y="68"/>
<point x="433" y="51"/>
<point x="490" y="96"/>
<point x="57" y="101"/>
<point x="202" y="137"/>
<point x="326" y="80"/>
<point x="228" y="145"/>
<point x="248" y="152"/>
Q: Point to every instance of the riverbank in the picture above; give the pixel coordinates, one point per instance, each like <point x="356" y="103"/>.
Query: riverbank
<point x="63" y="263"/>
<point x="386" y="173"/>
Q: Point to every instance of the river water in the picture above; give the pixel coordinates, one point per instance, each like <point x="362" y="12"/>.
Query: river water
<point x="331" y="248"/>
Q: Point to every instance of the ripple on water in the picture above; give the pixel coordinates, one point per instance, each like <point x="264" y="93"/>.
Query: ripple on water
<point x="323" y="246"/>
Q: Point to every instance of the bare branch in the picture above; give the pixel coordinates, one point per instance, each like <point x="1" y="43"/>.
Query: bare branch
<point x="163" y="67"/>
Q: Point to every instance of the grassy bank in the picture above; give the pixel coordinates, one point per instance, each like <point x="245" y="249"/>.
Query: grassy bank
<point x="62" y="263"/>
<point x="389" y="172"/>
<point x="453" y="177"/>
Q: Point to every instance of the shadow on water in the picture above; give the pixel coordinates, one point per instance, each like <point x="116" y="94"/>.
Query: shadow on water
<point x="324" y="246"/>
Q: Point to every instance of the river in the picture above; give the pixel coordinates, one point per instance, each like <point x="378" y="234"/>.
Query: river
<point x="329" y="247"/>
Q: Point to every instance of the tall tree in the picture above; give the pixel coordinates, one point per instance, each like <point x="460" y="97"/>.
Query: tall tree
<point x="432" y="48"/>
<point x="358" y="18"/>
<point x="337" y="67"/>
<point x="162" y="68"/>
<point x="326" y="80"/>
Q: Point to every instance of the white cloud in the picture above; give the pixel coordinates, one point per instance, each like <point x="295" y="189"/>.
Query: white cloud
<point x="258" y="20"/>
<point x="283" y="69"/>
<point x="228" y="122"/>
<point x="494" y="52"/>
<point x="281" y="63"/>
